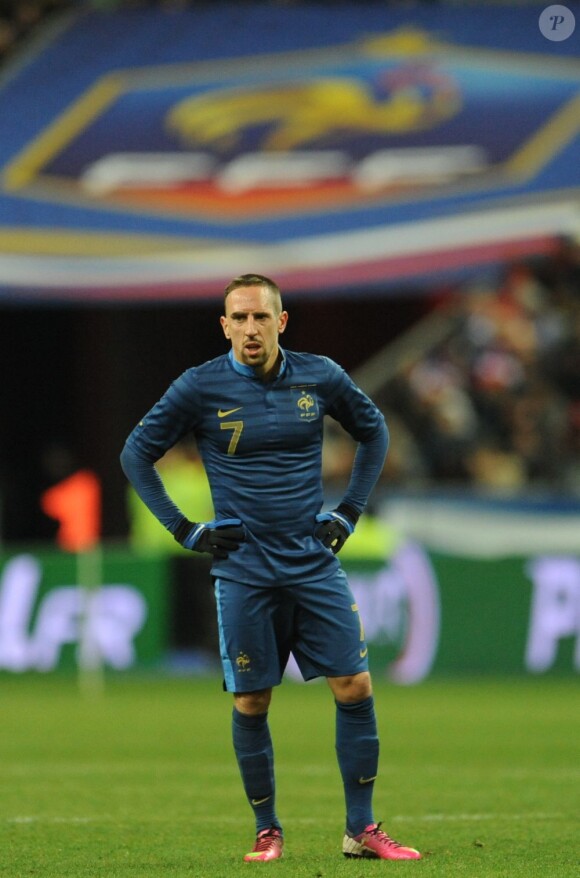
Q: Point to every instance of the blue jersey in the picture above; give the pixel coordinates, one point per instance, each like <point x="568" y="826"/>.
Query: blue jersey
<point x="261" y="445"/>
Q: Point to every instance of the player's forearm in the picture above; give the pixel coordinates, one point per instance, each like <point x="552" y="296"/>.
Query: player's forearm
<point x="148" y="485"/>
<point x="367" y="468"/>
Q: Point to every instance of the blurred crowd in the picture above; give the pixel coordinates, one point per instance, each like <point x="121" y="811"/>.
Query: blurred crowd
<point x="496" y="404"/>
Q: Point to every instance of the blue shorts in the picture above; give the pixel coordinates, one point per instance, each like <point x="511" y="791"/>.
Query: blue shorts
<point x="259" y="627"/>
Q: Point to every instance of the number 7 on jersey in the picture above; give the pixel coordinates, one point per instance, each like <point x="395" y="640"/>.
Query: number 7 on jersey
<point x="237" y="427"/>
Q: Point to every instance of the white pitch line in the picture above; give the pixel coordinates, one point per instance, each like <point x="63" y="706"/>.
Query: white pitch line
<point x="30" y="819"/>
<point x="475" y="818"/>
<point x="303" y="821"/>
<point x="62" y="769"/>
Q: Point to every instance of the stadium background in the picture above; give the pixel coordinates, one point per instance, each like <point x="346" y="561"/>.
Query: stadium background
<point x="459" y="312"/>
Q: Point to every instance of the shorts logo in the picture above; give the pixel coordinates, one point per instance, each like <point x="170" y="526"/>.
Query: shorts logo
<point x="243" y="662"/>
<point x="306" y="402"/>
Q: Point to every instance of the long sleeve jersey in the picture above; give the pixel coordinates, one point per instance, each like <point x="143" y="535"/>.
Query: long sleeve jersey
<point x="261" y="445"/>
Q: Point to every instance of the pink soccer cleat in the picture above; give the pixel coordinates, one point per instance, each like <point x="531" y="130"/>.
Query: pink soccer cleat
<point x="375" y="844"/>
<point x="269" y="844"/>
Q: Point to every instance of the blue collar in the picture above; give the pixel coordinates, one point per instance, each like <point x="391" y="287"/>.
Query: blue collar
<point x="249" y="371"/>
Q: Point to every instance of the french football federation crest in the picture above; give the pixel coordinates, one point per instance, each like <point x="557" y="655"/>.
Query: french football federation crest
<point x="371" y="159"/>
<point x="381" y="117"/>
<point x="243" y="662"/>
<point x="306" y="402"/>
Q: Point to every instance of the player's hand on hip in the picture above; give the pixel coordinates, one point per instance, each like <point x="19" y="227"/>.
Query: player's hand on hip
<point x="218" y="538"/>
<point x="334" y="528"/>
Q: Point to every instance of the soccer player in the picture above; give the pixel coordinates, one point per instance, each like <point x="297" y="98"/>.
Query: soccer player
<point x="256" y="413"/>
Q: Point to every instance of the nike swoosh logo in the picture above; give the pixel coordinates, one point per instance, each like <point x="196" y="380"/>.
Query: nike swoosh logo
<point x="222" y="414"/>
<point x="367" y="779"/>
<point x="363" y="652"/>
<point x="260" y="801"/>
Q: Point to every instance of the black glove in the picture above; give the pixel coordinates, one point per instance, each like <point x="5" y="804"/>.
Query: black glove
<point x="335" y="527"/>
<point x="219" y="538"/>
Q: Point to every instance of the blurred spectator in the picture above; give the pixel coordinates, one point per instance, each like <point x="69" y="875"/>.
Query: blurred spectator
<point x="497" y="404"/>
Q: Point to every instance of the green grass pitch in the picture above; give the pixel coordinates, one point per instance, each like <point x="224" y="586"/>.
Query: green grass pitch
<point x="482" y="776"/>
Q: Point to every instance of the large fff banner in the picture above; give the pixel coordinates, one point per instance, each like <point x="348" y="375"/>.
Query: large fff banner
<point x="156" y="153"/>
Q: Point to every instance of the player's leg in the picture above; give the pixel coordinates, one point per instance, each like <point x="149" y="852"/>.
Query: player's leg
<point x="332" y="643"/>
<point x="255" y="754"/>
<point x="357" y="746"/>
<point x="247" y="645"/>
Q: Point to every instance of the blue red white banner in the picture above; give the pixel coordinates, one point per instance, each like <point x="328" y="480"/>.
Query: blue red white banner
<point x="154" y="154"/>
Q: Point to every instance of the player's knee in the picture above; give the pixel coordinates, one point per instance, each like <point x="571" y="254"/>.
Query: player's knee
<point x="253" y="703"/>
<point x="351" y="689"/>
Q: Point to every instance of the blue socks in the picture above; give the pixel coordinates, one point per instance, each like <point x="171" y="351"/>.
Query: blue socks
<point x="255" y="755"/>
<point x="357" y="749"/>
